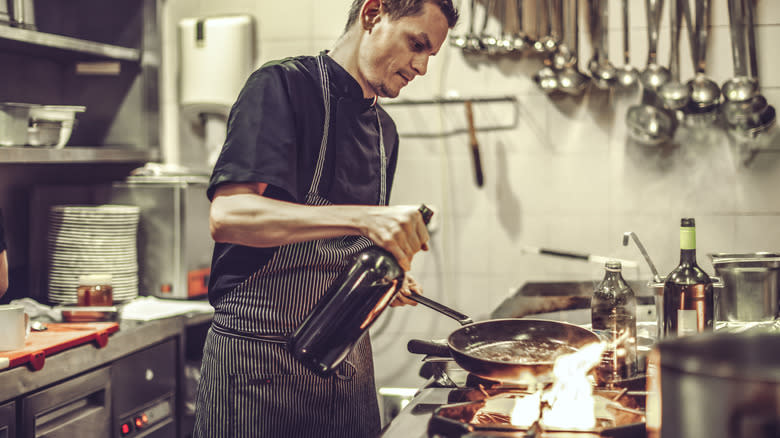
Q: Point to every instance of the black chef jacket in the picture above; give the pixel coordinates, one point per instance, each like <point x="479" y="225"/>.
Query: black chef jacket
<point x="274" y="133"/>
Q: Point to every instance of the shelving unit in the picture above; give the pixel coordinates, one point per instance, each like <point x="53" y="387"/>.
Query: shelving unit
<point x="106" y="154"/>
<point x="61" y="47"/>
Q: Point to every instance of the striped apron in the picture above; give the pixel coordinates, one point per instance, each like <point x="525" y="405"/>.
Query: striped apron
<point x="250" y="386"/>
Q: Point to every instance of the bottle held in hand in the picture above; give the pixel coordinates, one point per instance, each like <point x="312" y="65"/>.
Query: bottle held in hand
<point x="348" y="309"/>
<point x="613" y="318"/>
<point x="689" y="305"/>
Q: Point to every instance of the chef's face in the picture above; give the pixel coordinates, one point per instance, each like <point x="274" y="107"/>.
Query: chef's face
<point x="396" y="51"/>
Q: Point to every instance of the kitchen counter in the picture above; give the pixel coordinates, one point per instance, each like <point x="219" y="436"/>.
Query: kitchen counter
<point x="132" y="336"/>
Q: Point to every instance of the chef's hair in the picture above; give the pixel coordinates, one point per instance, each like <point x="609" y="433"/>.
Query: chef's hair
<point x="404" y="8"/>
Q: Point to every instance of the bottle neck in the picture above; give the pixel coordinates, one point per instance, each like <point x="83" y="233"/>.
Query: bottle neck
<point x="688" y="245"/>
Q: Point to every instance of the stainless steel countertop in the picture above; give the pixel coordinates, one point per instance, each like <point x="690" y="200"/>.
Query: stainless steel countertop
<point x="132" y="336"/>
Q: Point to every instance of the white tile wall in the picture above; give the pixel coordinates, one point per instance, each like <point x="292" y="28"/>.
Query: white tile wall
<point x="565" y="177"/>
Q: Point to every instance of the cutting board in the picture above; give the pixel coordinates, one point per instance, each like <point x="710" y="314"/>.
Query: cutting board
<point x="57" y="337"/>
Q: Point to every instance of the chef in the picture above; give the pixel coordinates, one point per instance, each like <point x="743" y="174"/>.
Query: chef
<point x="302" y="184"/>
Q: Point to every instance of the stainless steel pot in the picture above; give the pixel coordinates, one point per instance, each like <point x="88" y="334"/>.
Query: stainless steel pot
<point x="715" y="385"/>
<point x="751" y="289"/>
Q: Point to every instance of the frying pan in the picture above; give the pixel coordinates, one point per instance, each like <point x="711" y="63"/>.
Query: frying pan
<point x="506" y="350"/>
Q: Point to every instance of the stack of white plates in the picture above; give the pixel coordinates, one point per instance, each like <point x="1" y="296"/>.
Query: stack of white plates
<point x="99" y="239"/>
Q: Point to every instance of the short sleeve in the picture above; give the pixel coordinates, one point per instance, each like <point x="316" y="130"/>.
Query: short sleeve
<point x="260" y="145"/>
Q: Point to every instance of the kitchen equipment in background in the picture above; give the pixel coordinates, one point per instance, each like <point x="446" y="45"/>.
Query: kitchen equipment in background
<point x="751" y="286"/>
<point x="216" y="57"/>
<point x="95" y="290"/>
<point x="511" y="350"/>
<point x="5" y="18"/>
<point x="52" y="125"/>
<point x="92" y="239"/>
<point x="592" y="258"/>
<point x="13" y="326"/>
<point x="22" y="13"/>
<point x="174" y="243"/>
<point x="715" y="385"/>
<point x="474" y="145"/>
<point x="14" y="118"/>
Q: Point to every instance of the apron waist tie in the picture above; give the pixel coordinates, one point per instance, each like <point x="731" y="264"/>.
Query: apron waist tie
<point x="271" y="338"/>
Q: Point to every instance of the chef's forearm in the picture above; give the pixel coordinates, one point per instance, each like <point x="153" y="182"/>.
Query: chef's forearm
<point x="254" y="220"/>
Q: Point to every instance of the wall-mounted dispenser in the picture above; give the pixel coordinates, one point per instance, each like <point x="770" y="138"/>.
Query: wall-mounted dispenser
<point x="217" y="55"/>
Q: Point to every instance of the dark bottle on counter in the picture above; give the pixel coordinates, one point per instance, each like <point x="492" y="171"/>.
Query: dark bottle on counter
<point x="348" y="308"/>
<point x="613" y="318"/>
<point x="689" y="305"/>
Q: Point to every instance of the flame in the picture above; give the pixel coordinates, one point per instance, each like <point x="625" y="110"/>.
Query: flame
<point x="569" y="403"/>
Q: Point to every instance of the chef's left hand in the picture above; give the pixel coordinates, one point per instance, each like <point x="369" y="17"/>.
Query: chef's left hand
<point x="409" y="287"/>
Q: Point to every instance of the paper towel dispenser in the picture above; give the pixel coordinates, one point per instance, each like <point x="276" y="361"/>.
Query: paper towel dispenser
<point x="217" y="55"/>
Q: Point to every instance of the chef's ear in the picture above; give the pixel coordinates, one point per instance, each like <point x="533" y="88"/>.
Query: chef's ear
<point x="369" y="15"/>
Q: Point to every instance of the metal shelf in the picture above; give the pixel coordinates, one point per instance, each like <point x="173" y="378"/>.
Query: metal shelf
<point x="102" y="154"/>
<point x="62" y="47"/>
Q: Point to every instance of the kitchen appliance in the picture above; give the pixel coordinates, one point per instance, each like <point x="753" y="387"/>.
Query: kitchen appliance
<point x="751" y="286"/>
<point x="5" y="18"/>
<point x="216" y="56"/>
<point x="715" y="385"/>
<point x="174" y="244"/>
<point x="449" y="403"/>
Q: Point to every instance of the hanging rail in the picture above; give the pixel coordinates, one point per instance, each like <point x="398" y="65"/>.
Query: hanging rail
<point x="462" y="101"/>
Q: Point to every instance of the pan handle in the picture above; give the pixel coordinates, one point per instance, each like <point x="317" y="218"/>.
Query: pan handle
<point x="441" y="308"/>
<point x="433" y="348"/>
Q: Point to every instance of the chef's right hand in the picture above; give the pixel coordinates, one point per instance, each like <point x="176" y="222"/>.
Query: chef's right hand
<point x="398" y="229"/>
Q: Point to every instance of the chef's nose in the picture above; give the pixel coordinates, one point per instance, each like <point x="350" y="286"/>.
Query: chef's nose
<point x="420" y="64"/>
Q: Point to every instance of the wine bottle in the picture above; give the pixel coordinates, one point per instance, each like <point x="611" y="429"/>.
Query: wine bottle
<point x="348" y="309"/>
<point x="688" y="298"/>
<point x="613" y="318"/>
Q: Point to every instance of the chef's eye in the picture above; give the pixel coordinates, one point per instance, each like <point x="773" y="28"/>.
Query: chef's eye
<point x="416" y="45"/>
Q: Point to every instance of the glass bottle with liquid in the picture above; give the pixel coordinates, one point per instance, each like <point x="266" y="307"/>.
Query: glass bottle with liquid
<point x="348" y="309"/>
<point x="689" y="304"/>
<point x="613" y="318"/>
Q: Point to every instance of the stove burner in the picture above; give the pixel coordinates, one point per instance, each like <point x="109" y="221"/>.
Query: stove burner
<point x="462" y="417"/>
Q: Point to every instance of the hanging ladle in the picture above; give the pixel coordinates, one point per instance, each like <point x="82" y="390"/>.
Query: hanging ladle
<point x="627" y="75"/>
<point x="602" y="71"/>
<point x="542" y="26"/>
<point x="521" y="41"/>
<point x="505" y="42"/>
<point x="704" y="92"/>
<point x="741" y="87"/>
<point x="654" y="75"/>
<point x="473" y="42"/>
<point x="761" y="115"/>
<point x="570" y="79"/>
<point x="488" y="41"/>
<point x="647" y="123"/>
<point x="674" y="94"/>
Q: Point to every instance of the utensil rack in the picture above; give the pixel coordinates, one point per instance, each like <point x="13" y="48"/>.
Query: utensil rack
<point x="461" y="101"/>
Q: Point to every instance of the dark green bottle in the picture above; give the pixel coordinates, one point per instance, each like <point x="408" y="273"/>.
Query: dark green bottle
<point x="689" y="304"/>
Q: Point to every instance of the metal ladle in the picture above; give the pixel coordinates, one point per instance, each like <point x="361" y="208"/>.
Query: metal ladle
<point x="654" y="75"/>
<point x="542" y="26"/>
<point x="550" y="41"/>
<point x="473" y="42"/>
<point x="520" y="41"/>
<point x="627" y="75"/>
<point x="761" y="116"/>
<point x="489" y="42"/>
<point x="674" y="94"/>
<point x="704" y="92"/>
<point x="570" y="79"/>
<point x="602" y="71"/>
<point x="504" y="43"/>
<point x="647" y="123"/>
<point x="741" y="87"/>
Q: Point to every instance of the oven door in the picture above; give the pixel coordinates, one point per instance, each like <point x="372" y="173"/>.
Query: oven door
<point x="8" y="420"/>
<point x="79" y="407"/>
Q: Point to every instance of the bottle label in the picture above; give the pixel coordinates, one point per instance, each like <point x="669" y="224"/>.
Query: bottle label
<point x="687" y="238"/>
<point x="686" y="322"/>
